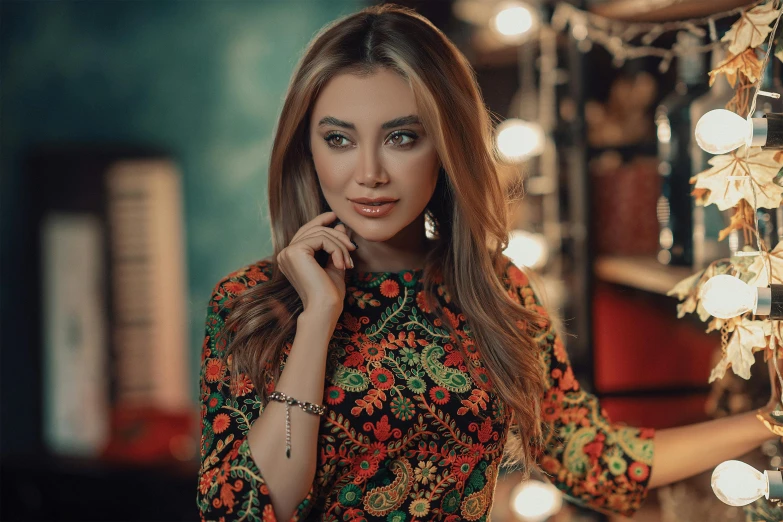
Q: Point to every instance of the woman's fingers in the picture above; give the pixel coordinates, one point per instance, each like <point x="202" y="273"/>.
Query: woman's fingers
<point x="338" y="233"/>
<point x="319" y="220"/>
<point x="334" y="238"/>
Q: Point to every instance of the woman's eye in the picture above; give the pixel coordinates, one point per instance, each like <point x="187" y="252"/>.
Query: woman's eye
<point x="400" y="136"/>
<point x="330" y="140"/>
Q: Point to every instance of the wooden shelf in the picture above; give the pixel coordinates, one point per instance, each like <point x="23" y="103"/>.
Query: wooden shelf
<point x="662" y="10"/>
<point x="644" y="273"/>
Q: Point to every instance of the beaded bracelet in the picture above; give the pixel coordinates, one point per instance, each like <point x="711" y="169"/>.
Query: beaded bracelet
<point x="309" y="407"/>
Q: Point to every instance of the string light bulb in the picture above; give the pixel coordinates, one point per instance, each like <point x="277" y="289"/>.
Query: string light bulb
<point x="527" y="249"/>
<point x="519" y="140"/>
<point x="725" y="296"/>
<point x="535" y="501"/>
<point x="738" y="484"/>
<point x="513" y="21"/>
<point x="720" y="131"/>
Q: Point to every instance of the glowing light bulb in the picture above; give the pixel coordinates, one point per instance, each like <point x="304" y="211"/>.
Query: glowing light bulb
<point x="527" y="249"/>
<point x="737" y="484"/>
<point x="513" y="19"/>
<point x="535" y="501"/>
<point x="720" y="131"/>
<point x="725" y="296"/>
<point x="518" y="140"/>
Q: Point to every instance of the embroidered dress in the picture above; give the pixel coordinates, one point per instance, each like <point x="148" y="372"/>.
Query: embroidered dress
<point x="408" y="433"/>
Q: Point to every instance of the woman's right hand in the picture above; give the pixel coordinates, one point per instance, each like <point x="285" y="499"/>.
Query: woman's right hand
<point x="318" y="286"/>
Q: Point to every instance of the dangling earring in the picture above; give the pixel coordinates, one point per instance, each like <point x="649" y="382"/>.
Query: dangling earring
<point x="429" y="225"/>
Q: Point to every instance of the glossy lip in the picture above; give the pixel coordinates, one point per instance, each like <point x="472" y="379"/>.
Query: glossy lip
<point x="373" y="212"/>
<point x="372" y="200"/>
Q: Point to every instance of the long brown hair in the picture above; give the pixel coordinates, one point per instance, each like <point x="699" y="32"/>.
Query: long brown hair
<point x="469" y="210"/>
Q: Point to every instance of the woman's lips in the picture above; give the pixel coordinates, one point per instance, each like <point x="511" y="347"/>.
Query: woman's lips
<point x="373" y="211"/>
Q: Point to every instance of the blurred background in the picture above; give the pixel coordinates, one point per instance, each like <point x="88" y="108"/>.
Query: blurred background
<point x="134" y="141"/>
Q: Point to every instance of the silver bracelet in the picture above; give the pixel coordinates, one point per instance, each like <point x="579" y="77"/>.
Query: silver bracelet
<point x="309" y="407"/>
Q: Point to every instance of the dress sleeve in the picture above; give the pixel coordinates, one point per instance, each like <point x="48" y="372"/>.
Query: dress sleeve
<point x="230" y="485"/>
<point x="597" y="463"/>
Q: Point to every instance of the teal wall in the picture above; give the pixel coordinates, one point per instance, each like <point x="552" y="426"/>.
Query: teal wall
<point x="203" y="79"/>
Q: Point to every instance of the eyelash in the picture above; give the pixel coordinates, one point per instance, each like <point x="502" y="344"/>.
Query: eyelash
<point x="328" y="138"/>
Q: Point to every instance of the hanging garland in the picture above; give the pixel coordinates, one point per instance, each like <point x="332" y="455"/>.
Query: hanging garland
<point x="745" y="180"/>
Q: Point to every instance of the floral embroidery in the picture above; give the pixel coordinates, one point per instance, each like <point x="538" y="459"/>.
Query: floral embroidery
<point x="410" y="433"/>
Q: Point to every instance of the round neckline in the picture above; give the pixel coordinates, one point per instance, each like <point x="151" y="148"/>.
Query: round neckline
<point x="366" y="278"/>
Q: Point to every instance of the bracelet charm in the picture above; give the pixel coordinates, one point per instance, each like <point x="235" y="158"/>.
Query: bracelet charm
<point x="289" y="401"/>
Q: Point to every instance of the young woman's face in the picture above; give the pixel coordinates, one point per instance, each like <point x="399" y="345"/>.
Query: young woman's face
<point x="366" y="141"/>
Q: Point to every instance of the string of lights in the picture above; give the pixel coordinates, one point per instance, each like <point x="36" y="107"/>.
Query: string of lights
<point x="617" y="36"/>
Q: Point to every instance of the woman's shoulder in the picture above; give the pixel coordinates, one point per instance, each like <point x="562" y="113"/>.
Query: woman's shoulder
<point x="242" y="279"/>
<point x="513" y="277"/>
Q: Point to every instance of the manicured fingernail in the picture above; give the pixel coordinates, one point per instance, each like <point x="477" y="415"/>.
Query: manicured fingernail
<point x="354" y="244"/>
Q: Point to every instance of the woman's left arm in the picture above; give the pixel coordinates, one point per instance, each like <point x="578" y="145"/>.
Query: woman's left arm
<point x="609" y="466"/>
<point x="685" y="451"/>
<point x="680" y="451"/>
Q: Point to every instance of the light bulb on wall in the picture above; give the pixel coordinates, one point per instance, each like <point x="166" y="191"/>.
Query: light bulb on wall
<point x="738" y="484"/>
<point x="725" y="296"/>
<point x="720" y="131"/>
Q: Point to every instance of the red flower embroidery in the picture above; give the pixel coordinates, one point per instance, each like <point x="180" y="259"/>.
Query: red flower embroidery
<point x="234" y="287"/>
<point x="382" y="378"/>
<point x="215" y="370"/>
<point x="364" y="465"/>
<point x="389" y="288"/>
<point x="378" y="450"/>
<point x="373" y="352"/>
<point x="463" y="465"/>
<point x="334" y="395"/>
<point x="638" y="471"/>
<point x="220" y="423"/>
<point x="242" y="385"/>
<point x="440" y="395"/>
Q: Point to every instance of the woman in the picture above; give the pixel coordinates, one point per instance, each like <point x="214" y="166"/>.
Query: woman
<point x="367" y="372"/>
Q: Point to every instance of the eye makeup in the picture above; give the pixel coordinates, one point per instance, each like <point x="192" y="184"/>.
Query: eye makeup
<point x="407" y="134"/>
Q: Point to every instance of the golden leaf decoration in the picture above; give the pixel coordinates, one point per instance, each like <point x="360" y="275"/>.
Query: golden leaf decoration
<point x="738" y="355"/>
<point x="764" y="264"/>
<point x="742" y="218"/>
<point x="684" y="287"/>
<point x="752" y="28"/>
<point x="688" y="289"/>
<point x="746" y="63"/>
<point x="761" y="169"/>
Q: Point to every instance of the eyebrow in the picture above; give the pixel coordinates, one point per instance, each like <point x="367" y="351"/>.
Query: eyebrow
<point x="411" y="119"/>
